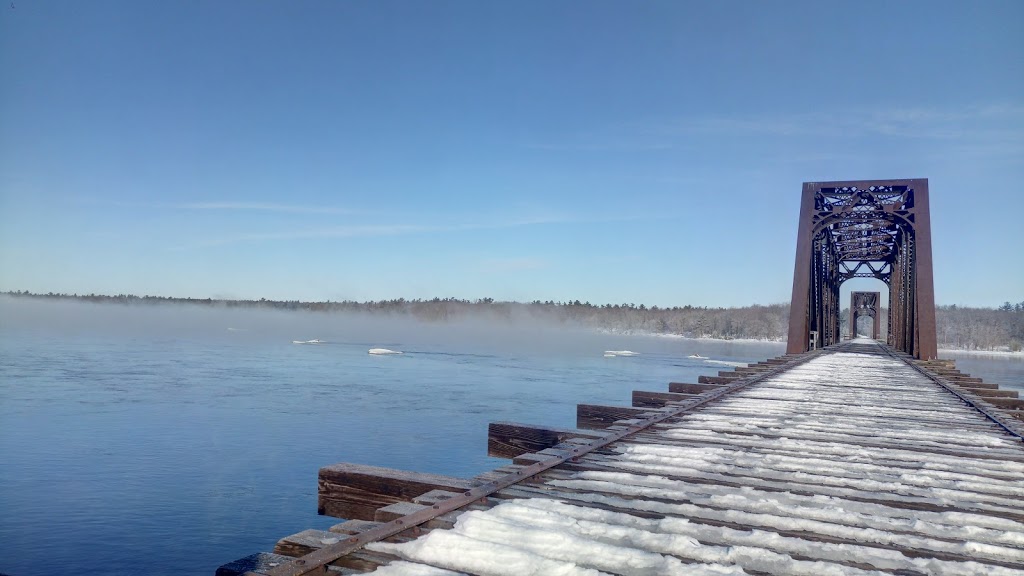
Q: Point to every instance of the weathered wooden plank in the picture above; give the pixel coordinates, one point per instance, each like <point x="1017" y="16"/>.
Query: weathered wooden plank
<point x="435" y="496"/>
<point x="876" y="419"/>
<point x="257" y="563"/>
<point x="510" y="439"/>
<point x="803" y="488"/>
<point x="962" y="379"/>
<point x="895" y="463"/>
<point x="645" y="399"/>
<point x="309" y="541"/>
<point x="940" y="362"/>
<point x="356" y="491"/>
<point x="764" y="395"/>
<point x="569" y="471"/>
<point x="397" y="510"/>
<point x="581" y="498"/>
<point x="686" y="388"/>
<point x="840" y="388"/>
<point x="497" y="473"/>
<point x="595" y="417"/>
<point x="898" y="421"/>
<point x="305" y="542"/>
<point x="751" y="369"/>
<point x="737" y="438"/>
<point x="715" y="380"/>
<point x="982" y="385"/>
<point x="542" y="456"/>
<point x="1011" y="403"/>
<point x="731" y="374"/>
<point x="354" y="527"/>
<point x="990" y="393"/>
<point x="364" y="561"/>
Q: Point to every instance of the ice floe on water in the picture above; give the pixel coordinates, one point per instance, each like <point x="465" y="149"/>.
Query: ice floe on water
<point x="725" y="363"/>
<point x="382" y="351"/>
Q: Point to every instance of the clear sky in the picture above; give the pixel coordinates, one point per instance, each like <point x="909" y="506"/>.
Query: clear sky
<point x="646" y="152"/>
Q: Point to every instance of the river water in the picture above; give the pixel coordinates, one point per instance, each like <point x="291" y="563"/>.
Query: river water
<point x="170" y="440"/>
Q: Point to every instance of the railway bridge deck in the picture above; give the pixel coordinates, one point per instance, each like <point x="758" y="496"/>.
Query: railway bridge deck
<point x="854" y="459"/>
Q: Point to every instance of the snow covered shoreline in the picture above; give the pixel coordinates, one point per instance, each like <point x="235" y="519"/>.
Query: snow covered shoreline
<point x="682" y="337"/>
<point x="992" y="353"/>
<point x="963" y="351"/>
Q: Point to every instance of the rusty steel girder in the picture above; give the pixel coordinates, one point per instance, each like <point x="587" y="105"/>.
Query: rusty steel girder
<point x="864" y="229"/>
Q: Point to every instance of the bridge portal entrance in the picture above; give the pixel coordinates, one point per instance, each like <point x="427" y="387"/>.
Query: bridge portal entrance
<point x="865" y="304"/>
<point x="864" y="229"/>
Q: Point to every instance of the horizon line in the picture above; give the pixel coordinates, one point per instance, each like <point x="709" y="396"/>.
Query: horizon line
<point x="484" y="300"/>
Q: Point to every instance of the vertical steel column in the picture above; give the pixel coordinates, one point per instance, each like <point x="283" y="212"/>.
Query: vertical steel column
<point x="833" y="297"/>
<point x="926" y="347"/>
<point x="896" y="296"/>
<point x="799" y="307"/>
<point x="853" y="315"/>
<point x="876" y="328"/>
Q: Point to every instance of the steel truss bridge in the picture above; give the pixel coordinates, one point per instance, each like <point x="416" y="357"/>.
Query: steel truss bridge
<point x="864" y="229"/>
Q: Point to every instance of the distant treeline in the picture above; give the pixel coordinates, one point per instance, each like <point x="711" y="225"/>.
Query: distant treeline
<point x="967" y="328"/>
<point x="958" y="327"/>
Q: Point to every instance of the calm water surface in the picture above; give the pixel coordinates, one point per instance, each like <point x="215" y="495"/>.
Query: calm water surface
<point x="159" y="441"/>
<point x="1007" y="370"/>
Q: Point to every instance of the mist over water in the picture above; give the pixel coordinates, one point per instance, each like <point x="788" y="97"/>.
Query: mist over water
<point x="255" y="326"/>
<point x="170" y="439"/>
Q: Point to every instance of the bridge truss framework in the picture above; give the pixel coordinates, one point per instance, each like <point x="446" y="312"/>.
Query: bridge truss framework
<point x="864" y="229"/>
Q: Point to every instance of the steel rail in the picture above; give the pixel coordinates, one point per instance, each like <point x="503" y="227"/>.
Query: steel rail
<point x="316" y="562"/>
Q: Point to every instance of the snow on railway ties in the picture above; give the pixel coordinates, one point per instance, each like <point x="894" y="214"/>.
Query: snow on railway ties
<point x="847" y="461"/>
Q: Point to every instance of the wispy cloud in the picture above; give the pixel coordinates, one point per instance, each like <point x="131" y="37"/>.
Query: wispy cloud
<point x="597" y="146"/>
<point x="225" y="206"/>
<point x="1003" y="123"/>
<point x="323" y="233"/>
<point x="406" y="229"/>
<point x="262" y="207"/>
<point x="926" y="123"/>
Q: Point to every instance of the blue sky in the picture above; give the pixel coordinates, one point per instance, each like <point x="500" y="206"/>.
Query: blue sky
<point x="605" y="151"/>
